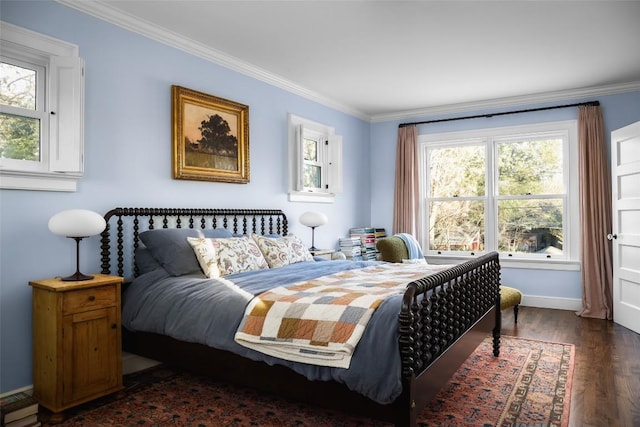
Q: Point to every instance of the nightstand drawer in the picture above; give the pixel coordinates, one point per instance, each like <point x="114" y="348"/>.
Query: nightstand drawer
<point x="87" y="299"/>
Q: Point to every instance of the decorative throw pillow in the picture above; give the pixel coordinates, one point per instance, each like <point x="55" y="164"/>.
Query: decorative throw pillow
<point x="170" y="248"/>
<point x="206" y="255"/>
<point x="237" y="254"/>
<point x="281" y="251"/>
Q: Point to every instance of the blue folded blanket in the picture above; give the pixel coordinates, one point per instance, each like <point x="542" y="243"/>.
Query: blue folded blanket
<point x="415" y="251"/>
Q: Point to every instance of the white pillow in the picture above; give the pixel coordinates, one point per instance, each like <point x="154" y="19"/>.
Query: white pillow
<point x="206" y="254"/>
<point x="238" y="254"/>
<point x="281" y="251"/>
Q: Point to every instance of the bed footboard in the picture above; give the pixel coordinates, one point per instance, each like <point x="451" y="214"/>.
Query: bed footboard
<point x="439" y="311"/>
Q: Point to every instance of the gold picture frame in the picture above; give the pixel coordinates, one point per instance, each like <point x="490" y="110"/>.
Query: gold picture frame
<point x="210" y="137"/>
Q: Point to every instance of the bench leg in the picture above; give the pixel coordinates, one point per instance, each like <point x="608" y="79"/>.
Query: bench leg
<point x="515" y="313"/>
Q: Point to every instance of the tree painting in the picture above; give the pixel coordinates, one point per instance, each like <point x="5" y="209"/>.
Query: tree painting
<point x="210" y="137"/>
<point x="215" y="148"/>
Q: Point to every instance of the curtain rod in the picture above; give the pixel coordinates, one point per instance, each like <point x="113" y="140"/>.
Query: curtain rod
<point x="580" y="104"/>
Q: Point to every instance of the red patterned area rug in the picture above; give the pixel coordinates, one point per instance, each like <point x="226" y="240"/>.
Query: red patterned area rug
<point x="528" y="385"/>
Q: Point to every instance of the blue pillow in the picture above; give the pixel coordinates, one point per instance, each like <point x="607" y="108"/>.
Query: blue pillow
<point x="169" y="246"/>
<point x="145" y="260"/>
<point x="216" y="233"/>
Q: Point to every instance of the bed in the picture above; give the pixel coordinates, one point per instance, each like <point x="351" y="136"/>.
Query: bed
<point x="420" y="336"/>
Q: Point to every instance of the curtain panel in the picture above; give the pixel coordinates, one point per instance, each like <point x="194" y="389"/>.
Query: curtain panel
<point x="595" y="216"/>
<point x="406" y="198"/>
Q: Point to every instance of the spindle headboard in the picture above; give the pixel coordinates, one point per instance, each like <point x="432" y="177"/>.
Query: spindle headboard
<point x="118" y="257"/>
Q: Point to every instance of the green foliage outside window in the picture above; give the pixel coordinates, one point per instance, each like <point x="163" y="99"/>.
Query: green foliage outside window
<point x="529" y="199"/>
<point x="19" y="135"/>
<point x="312" y="172"/>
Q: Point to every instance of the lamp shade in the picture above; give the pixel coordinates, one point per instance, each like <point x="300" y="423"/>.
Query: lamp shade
<point x="77" y="223"/>
<point x="313" y="219"/>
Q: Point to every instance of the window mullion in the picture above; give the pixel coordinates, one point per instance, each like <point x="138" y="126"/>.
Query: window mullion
<point x="491" y="193"/>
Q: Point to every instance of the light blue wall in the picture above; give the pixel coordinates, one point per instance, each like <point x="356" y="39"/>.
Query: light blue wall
<point x="128" y="162"/>
<point x="618" y="111"/>
<point x="128" y="159"/>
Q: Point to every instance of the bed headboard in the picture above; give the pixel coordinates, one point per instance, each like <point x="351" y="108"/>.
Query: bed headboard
<point x="118" y="257"/>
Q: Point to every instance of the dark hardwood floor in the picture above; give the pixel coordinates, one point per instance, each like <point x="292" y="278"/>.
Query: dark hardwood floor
<point x="606" y="381"/>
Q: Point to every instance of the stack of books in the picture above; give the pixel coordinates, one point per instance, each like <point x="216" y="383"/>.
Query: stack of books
<point x="367" y="236"/>
<point x="381" y="233"/>
<point x="350" y="247"/>
<point x="19" y="410"/>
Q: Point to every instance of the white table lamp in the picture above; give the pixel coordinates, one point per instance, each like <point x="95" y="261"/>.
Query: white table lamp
<point x="77" y="224"/>
<point x="313" y="220"/>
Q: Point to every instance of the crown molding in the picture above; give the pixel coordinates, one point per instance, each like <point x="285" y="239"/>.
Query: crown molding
<point x="109" y="14"/>
<point x="562" y="95"/>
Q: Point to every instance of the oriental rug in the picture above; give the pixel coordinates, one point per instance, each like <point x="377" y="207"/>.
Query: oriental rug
<point x="528" y="385"/>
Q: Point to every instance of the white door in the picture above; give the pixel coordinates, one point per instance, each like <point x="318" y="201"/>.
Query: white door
<point x="625" y="161"/>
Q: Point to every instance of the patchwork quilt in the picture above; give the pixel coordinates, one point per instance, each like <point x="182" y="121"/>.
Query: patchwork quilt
<point x="320" y="321"/>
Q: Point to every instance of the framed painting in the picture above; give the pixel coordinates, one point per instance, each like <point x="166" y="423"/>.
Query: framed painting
<point x="210" y="137"/>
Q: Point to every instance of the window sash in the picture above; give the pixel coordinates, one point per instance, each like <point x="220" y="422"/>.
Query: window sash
<point x="36" y="64"/>
<point x="320" y="159"/>
<point x="490" y="138"/>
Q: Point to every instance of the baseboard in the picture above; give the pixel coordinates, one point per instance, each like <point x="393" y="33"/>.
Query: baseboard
<point x="26" y="389"/>
<point x="134" y="363"/>
<point x="571" y="304"/>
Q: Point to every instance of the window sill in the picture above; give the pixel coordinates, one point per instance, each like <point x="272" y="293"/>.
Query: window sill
<point x="41" y="181"/>
<point x="531" y="264"/>
<point x="302" y="196"/>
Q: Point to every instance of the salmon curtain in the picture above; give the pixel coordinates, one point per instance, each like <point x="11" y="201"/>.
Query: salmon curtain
<point x="595" y="216"/>
<point x="406" y="194"/>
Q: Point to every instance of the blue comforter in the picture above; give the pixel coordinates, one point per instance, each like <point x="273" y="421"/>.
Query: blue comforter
<point x="208" y="311"/>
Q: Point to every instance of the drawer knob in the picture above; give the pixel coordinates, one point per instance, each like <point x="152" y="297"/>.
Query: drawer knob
<point x="114" y="326"/>
<point x="92" y="298"/>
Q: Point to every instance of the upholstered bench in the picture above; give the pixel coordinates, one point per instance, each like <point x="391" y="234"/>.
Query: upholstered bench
<point x="510" y="297"/>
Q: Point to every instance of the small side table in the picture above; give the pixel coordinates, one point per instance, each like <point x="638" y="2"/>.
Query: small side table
<point x="77" y="345"/>
<point x="323" y="253"/>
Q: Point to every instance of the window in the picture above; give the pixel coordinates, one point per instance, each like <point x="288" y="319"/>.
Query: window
<point x="315" y="153"/>
<point x="513" y="190"/>
<point x="41" y="114"/>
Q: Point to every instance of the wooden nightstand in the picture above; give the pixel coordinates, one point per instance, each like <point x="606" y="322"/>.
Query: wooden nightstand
<point x="77" y="346"/>
<point x="323" y="253"/>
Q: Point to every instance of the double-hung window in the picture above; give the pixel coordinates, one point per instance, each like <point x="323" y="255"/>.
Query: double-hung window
<point x="511" y="190"/>
<point x="41" y="111"/>
<point x="315" y="154"/>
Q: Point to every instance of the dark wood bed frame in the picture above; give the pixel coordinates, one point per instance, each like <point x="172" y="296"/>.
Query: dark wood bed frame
<point x="441" y="321"/>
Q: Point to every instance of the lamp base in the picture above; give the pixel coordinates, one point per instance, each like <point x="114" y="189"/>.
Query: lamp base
<point x="76" y="277"/>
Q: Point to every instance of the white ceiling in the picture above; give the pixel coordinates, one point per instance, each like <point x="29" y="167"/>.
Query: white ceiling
<point x="391" y="58"/>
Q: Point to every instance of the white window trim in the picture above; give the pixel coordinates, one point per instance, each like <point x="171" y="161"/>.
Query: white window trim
<point x="572" y="260"/>
<point x="332" y="156"/>
<point x="62" y="142"/>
